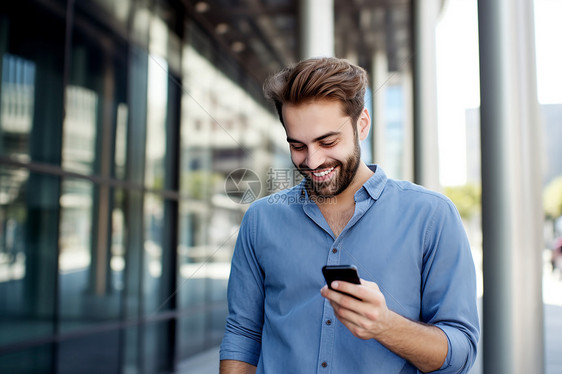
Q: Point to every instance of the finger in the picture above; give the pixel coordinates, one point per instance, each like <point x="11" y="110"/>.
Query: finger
<point x="354" y="322"/>
<point x="340" y="301"/>
<point x="369" y="284"/>
<point x="371" y="301"/>
<point x="355" y="290"/>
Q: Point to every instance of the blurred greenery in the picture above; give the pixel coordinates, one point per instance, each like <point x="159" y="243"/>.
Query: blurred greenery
<point x="552" y="198"/>
<point x="201" y="184"/>
<point x="467" y="198"/>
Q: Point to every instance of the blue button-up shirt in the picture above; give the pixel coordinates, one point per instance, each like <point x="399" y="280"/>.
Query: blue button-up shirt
<point x="408" y="240"/>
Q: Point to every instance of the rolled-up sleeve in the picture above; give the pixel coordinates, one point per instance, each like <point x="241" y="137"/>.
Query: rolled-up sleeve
<point x="242" y="338"/>
<point x="449" y="298"/>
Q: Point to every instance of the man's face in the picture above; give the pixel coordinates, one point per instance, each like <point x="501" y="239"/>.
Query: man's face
<point x="324" y="146"/>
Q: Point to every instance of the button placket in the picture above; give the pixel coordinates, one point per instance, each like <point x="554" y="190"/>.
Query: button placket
<point x="326" y="339"/>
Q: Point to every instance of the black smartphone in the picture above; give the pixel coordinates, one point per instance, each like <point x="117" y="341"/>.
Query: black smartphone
<point x="345" y="273"/>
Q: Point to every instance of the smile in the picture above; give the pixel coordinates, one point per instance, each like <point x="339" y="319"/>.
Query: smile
<point x="323" y="173"/>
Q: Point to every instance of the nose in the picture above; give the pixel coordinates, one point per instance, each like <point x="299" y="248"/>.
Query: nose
<point x="315" y="158"/>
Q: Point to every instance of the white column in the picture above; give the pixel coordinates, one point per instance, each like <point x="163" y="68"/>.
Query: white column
<point x="511" y="189"/>
<point x="316" y="28"/>
<point x="426" y="154"/>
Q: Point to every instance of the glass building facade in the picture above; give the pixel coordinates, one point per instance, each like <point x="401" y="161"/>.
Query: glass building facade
<point x="119" y="124"/>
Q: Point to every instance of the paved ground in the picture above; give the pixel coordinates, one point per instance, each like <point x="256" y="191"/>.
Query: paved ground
<point x="204" y="363"/>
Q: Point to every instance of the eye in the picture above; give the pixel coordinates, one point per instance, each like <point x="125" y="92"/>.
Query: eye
<point x="328" y="144"/>
<point x="297" y="147"/>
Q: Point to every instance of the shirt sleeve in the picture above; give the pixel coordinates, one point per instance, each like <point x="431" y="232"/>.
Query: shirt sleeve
<point x="449" y="299"/>
<point x="242" y="338"/>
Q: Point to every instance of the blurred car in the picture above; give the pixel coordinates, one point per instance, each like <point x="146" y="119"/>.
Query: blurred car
<point x="556" y="257"/>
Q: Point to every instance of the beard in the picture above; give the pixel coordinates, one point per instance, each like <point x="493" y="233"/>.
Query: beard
<point x="337" y="184"/>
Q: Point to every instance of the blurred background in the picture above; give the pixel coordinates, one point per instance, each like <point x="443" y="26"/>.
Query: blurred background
<point x="121" y="121"/>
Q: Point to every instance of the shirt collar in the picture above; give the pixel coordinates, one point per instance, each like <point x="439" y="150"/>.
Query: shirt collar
<point x="374" y="185"/>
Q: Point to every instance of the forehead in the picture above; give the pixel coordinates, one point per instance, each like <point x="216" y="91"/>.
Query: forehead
<point x="314" y="118"/>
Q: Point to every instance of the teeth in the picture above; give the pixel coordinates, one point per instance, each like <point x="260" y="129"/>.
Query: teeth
<point x="325" y="172"/>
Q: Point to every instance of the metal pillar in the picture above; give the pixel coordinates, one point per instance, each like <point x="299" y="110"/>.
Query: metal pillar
<point x="426" y="154"/>
<point x="379" y="81"/>
<point x="511" y="185"/>
<point x="316" y="28"/>
<point x="408" y="155"/>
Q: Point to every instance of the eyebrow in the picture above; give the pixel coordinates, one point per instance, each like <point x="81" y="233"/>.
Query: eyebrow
<point x="321" y="137"/>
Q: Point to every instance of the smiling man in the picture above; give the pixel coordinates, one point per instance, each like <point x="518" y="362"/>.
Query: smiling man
<point x="415" y="309"/>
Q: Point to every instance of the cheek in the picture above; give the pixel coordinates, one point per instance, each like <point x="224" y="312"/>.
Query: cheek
<point x="297" y="157"/>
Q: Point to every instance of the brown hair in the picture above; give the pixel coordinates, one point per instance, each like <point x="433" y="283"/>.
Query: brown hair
<point x="319" y="78"/>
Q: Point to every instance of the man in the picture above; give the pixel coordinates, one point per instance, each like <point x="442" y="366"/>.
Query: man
<point x="415" y="309"/>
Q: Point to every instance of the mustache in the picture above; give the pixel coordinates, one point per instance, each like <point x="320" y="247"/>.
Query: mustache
<point x="303" y="167"/>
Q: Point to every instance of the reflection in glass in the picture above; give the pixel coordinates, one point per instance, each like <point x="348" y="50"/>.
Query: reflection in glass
<point x="157" y="103"/>
<point x="76" y="226"/>
<point x="75" y="250"/>
<point x="121" y="141"/>
<point x="118" y="9"/>
<point x="79" y="134"/>
<point x="222" y="129"/>
<point x="106" y="258"/>
<point x="90" y="271"/>
<point x="191" y="256"/>
<point x="17" y="105"/>
<point x="118" y="234"/>
<point x="12" y="220"/>
<point x="152" y="272"/>
<point x="156" y="122"/>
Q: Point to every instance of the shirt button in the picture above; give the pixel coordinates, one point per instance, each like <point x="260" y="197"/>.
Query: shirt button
<point x="324" y="364"/>
<point x="329" y="322"/>
<point x="334" y="250"/>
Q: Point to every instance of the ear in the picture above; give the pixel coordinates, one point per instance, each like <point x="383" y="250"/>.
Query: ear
<point x="363" y="124"/>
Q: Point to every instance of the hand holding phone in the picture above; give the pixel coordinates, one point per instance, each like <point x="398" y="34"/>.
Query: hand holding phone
<point x="344" y="273"/>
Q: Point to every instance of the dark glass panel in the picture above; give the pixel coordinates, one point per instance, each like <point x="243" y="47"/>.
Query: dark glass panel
<point x="91" y="354"/>
<point x="29" y="214"/>
<point x="138" y="83"/>
<point x="31" y="65"/>
<point x="133" y="241"/>
<point x="158" y="281"/>
<point x="217" y="318"/>
<point x="157" y="347"/>
<point x="37" y="360"/>
<point x="192" y="333"/>
<point x="159" y="290"/>
<point x="130" y="350"/>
